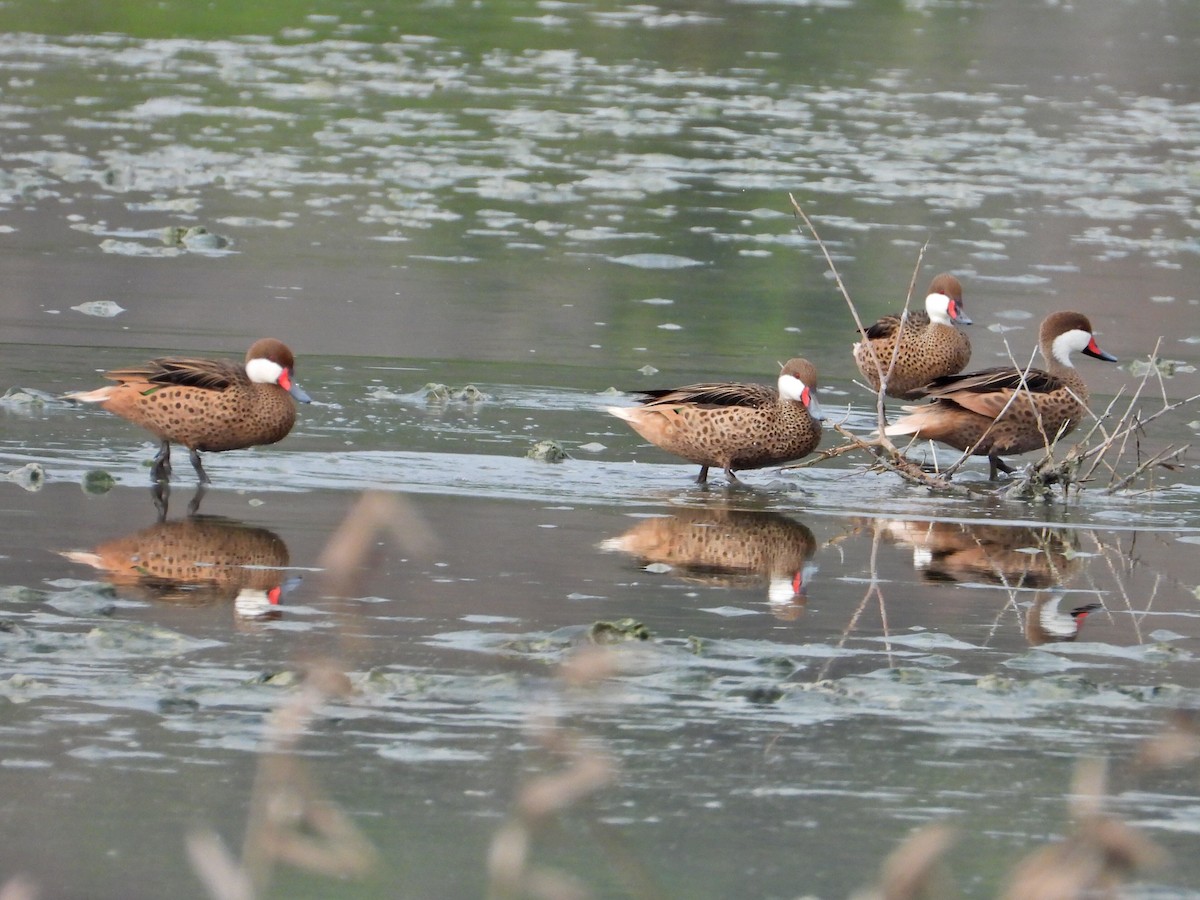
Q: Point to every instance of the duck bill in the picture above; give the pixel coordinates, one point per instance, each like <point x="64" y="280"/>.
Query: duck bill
<point x="963" y="319"/>
<point x="1093" y="350"/>
<point x="814" y="409"/>
<point x="297" y="392"/>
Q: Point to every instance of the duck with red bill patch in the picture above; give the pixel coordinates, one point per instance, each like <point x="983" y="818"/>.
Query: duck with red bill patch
<point x="206" y="404"/>
<point x="925" y="344"/>
<point x="731" y="425"/>
<point x="1046" y="622"/>
<point x="1006" y="410"/>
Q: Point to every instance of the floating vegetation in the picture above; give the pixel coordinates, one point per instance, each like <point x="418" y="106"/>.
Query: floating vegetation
<point x="30" y="476"/>
<point x="97" y="481"/>
<point x="618" y="632"/>
<point x="547" y="451"/>
<point x="1166" y="367"/>
<point x="195" y="237"/>
<point x="20" y="398"/>
<point x="435" y="393"/>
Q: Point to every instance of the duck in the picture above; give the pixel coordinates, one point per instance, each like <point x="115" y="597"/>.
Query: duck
<point x="930" y="346"/>
<point x="731" y="425"/>
<point x="976" y="412"/>
<point x="193" y="561"/>
<point x="206" y="404"/>
<point x="1012" y="556"/>
<point x="725" y="547"/>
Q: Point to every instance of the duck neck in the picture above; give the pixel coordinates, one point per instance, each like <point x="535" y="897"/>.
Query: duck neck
<point x="1058" y="364"/>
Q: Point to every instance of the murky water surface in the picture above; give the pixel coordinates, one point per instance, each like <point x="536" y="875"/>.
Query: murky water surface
<point x="547" y="201"/>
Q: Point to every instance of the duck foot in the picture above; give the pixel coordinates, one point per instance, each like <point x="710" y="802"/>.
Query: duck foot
<point x="160" y="491"/>
<point x="195" y="456"/>
<point x="160" y="472"/>
<point x="194" y="504"/>
<point x="996" y="464"/>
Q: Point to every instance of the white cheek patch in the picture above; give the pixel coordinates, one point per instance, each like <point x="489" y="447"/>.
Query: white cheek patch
<point x="1069" y="342"/>
<point x="782" y="590"/>
<point x="791" y="387"/>
<point x="938" y="307"/>
<point x="263" y="371"/>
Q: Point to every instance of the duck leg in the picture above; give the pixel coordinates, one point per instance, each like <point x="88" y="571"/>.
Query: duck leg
<point x="702" y="478"/>
<point x="161" y="492"/>
<point x="161" y="470"/>
<point x="733" y="479"/>
<point x="194" y="506"/>
<point x="195" y="454"/>
<point x="997" y="464"/>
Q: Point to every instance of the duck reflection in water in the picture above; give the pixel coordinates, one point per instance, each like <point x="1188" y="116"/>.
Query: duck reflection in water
<point x="1046" y="622"/>
<point x="1016" y="556"/>
<point x="197" y="561"/>
<point x="727" y="547"/>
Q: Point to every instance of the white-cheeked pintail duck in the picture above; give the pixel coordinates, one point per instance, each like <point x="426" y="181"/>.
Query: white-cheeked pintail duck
<point x="973" y="411"/>
<point x="726" y="547"/>
<point x="206" y="404"/>
<point x="730" y="425"/>
<point x="925" y="344"/>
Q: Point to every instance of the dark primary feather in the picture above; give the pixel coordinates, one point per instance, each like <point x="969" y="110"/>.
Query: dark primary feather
<point x="752" y="395"/>
<point x="890" y="324"/>
<point x="209" y="374"/>
<point x="996" y="379"/>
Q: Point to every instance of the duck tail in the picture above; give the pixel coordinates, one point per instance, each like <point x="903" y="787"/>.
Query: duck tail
<point x="916" y="419"/>
<point x="99" y="395"/>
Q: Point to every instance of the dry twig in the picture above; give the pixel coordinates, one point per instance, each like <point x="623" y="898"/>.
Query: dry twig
<point x="542" y="800"/>
<point x="1100" y="853"/>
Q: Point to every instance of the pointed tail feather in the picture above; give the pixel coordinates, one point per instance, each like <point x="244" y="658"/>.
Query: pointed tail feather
<point x="83" y="557"/>
<point x="910" y="424"/>
<point x="97" y="396"/>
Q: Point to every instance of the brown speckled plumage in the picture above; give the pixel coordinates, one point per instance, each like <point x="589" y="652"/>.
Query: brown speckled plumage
<point x="1012" y="556"/>
<point x="733" y="426"/>
<point x="726" y="547"/>
<point x="196" y="560"/>
<point x="204" y="404"/>
<point x="968" y="411"/>
<point x="928" y="349"/>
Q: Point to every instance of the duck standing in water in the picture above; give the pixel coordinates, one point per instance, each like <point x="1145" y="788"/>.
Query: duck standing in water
<point x="930" y="345"/>
<point x="733" y="426"/>
<point x="206" y="404"/>
<point x="973" y="411"/>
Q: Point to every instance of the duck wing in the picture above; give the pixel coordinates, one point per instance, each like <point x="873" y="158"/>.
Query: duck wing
<point x="988" y="391"/>
<point x="889" y="325"/>
<point x="712" y="395"/>
<point x="208" y="374"/>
